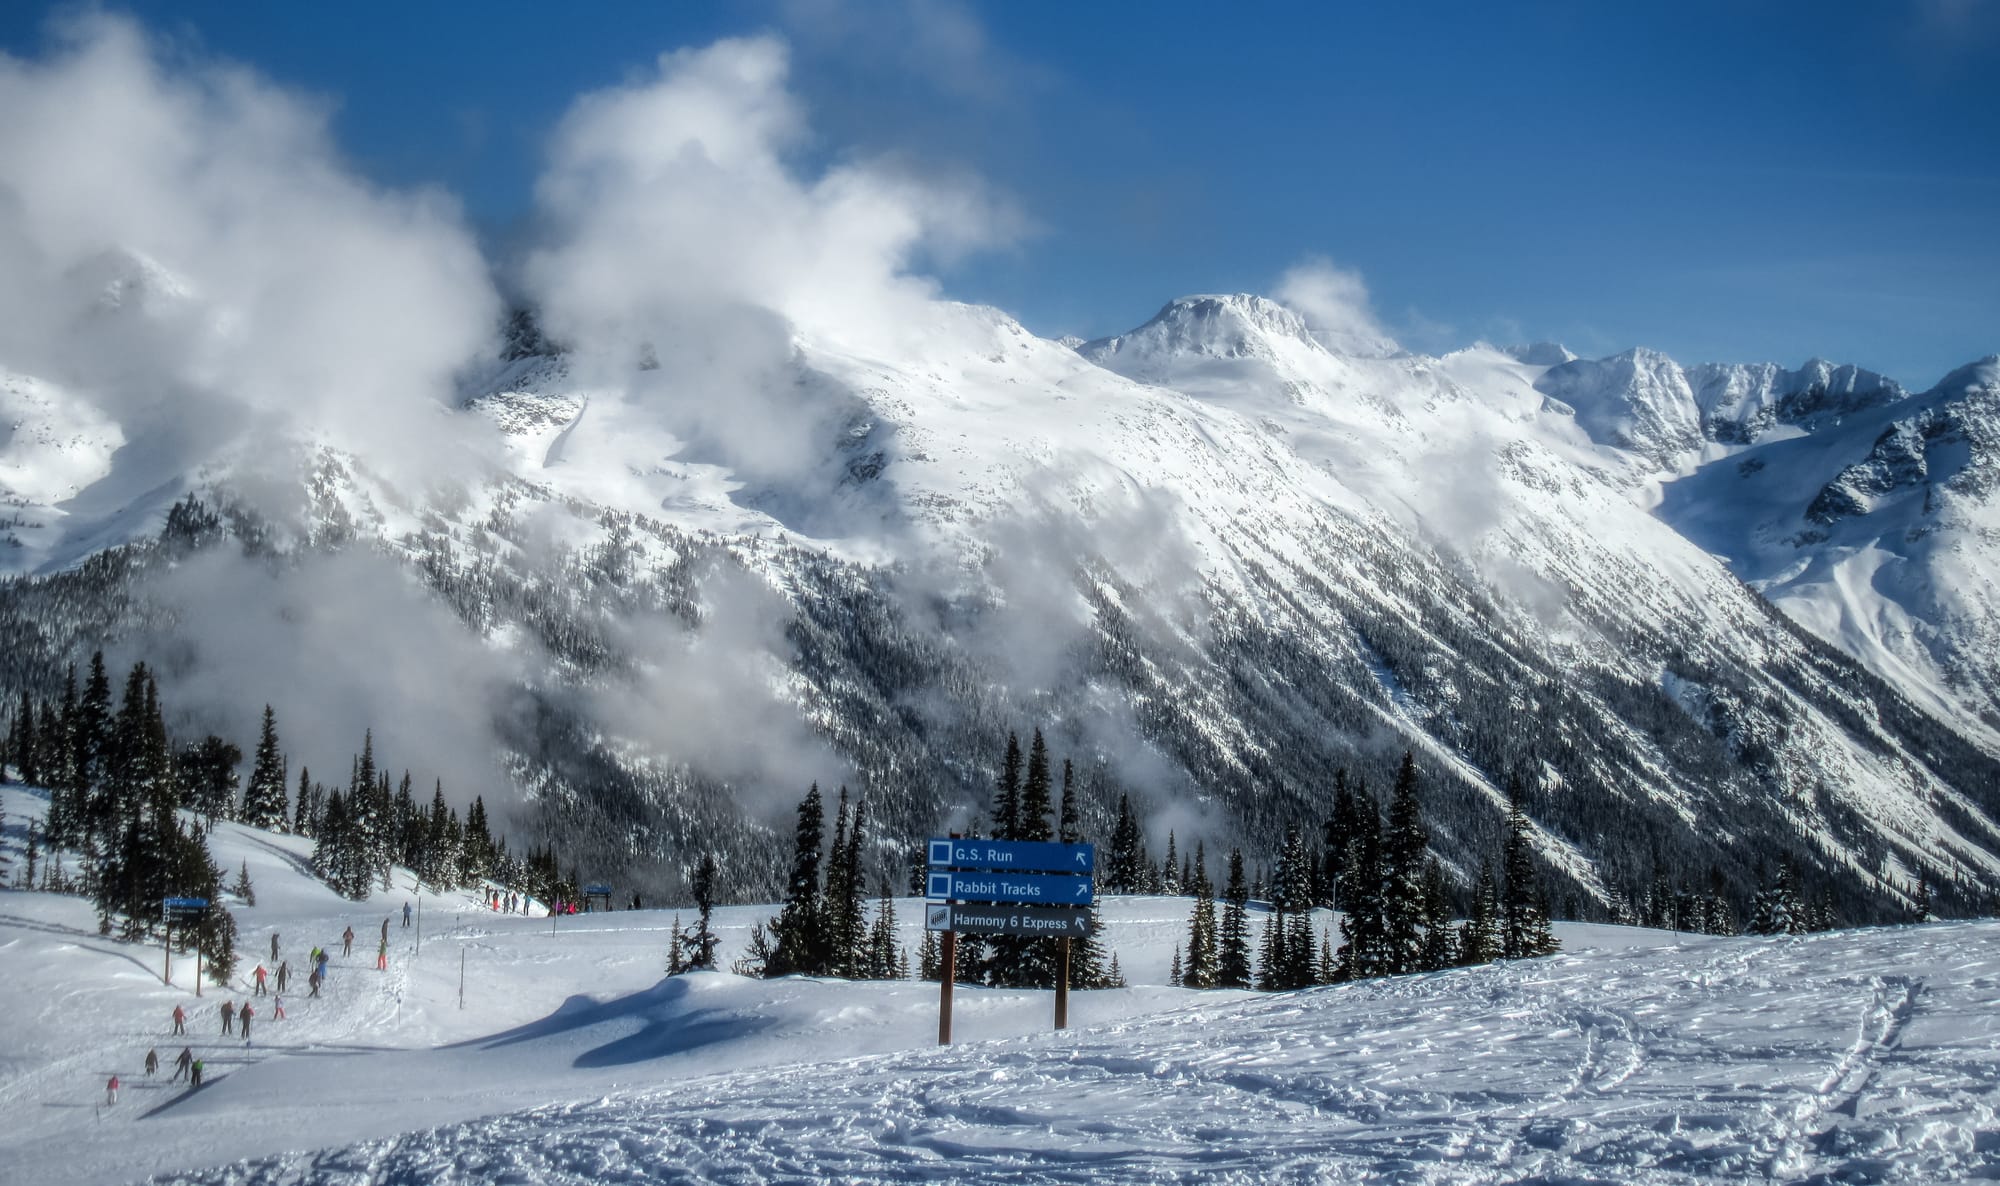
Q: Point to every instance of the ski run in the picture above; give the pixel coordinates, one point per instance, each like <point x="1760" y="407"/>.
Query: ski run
<point x="1634" y="1057"/>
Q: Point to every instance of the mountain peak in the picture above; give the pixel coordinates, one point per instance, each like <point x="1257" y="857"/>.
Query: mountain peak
<point x="1981" y="373"/>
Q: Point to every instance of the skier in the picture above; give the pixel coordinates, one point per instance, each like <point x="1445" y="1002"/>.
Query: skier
<point x="406" y="914"/>
<point x="195" y="1073"/>
<point x="323" y="958"/>
<point x="182" y="1063"/>
<point x="243" y="1018"/>
<point x="382" y="957"/>
<point x="111" y="1091"/>
<point x="228" y="1017"/>
<point x="152" y="1063"/>
<point x="259" y="974"/>
<point x="278" y="1008"/>
<point x="385" y="932"/>
<point x="180" y="1020"/>
<point x="312" y="984"/>
<point x="284" y="975"/>
<point x="274" y="947"/>
<point x="347" y="942"/>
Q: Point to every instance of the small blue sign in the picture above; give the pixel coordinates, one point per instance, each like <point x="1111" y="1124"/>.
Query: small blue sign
<point x="1014" y="856"/>
<point x="184" y="903"/>
<point x="1041" y="889"/>
<point x="597" y="890"/>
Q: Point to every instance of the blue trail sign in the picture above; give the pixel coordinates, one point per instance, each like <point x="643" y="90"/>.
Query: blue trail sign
<point x="1063" y="922"/>
<point x="1014" y="856"/>
<point x="1037" y="888"/>
<point x="184" y="903"/>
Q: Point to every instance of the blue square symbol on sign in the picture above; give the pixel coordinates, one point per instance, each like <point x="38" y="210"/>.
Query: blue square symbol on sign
<point x="938" y="885"/>
<point x="940" y="852"/>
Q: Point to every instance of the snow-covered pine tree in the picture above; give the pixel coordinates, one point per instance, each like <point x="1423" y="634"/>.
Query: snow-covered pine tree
<point x="700" y="944"/>
<point x="884" y="955"/>
<point x="1364" y="924"/>
<point x="1301" y="958"/>
<point x="1404" y="844"/>
<point x="303" y="821"/>
<point x="264" y="795"/>
<point x="1232" y="956"/>
<point x="676" y="960"/>
<point x="1007" y="793"/>
<point x="929" y="957"/>
<point x="1478" y="938"/>
<point x="243" y="889"/>
<point x="1170" y="871"/>
<point x="1272" y="968"/>
<point x="1174" y="969"/>
<point x="1201" y="967"/>
<point x="1440" y="944"/>
<point x="1779" y="909"/>
<point x="1524" y="920"/>
<point x="1126" y="858"/>
<point x="800" y="944"/>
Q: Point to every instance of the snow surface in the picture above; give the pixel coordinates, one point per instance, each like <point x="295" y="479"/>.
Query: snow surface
<point x="1635" y="1056"/>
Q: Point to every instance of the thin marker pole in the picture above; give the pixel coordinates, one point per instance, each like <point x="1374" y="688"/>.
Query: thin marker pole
<point x="461" y="977"/>
<point x="1062" y="988"/>
<point x="950" y="973"/>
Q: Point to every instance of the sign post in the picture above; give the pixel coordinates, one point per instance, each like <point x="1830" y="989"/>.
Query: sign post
<point x="168" y="908"/>
<point x="1007" y="887"/>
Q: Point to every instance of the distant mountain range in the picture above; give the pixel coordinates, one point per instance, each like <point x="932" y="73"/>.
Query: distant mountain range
<point x="1214" y="559"/>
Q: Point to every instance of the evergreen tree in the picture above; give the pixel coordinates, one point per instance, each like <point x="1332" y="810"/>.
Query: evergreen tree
<point x="842" y="906"/>
<point x="1232" y="966"/>
<point x="1404" y="844"/>
<point x="1273" y="966"/>
<point x="90" y="742"/>
<point x="676" y="960"/>
<point x="883" y="955"/>
<point x="930" y="960"/>
<point x="1070" y="828"/>
<point x="1478" y="936"/>
<point x="1174" y="969"/>
<point x="1032" y="820"/>
<point x="1524" y="920"/>
<point x="1365" y="950"/>
<point x="208" y="770"/>
<point x="1127" y="856"/>
<point x="1170" y="874"/>
<point x="26" y="746"/>
<point x="700" y="945"/>
<point x="264" y="795"/>
<point x="801" y="944"/>
<point x="1201" y="969"/>
<point x="1778" y="908"/>
<point x="243" y="889"/>
<point x="1440" y="944"/>
<point x="303" y="823"/>
<point x="1007" y="793"/>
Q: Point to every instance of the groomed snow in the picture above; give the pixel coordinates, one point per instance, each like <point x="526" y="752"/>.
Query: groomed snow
<point x="1635" y="1056"/>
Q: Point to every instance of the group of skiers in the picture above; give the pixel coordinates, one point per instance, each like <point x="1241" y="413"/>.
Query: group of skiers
<point x="505" y="903"/>
<point x="186" y="1066"/>
<point x="237" y="1018"/>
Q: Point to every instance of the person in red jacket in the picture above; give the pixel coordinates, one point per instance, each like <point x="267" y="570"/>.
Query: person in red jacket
<point x="180" y="1020"/>
<point x="111" y="1091"/>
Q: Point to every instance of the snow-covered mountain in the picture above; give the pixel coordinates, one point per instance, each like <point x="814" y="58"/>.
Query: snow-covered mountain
<point x="1216" y="559"/>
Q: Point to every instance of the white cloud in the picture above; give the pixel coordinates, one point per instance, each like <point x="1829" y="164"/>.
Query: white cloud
<point x="1334" y="302"/>
<point x="181" y="242"/>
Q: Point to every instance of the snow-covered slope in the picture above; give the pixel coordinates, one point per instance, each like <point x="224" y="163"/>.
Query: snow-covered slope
<point x="1878" y="532"/>
<point x="1216" y="559"/>
<point x="1635" y="1056"/>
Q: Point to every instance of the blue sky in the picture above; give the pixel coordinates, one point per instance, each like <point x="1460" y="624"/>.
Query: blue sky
<point x="1737" y="181"/>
